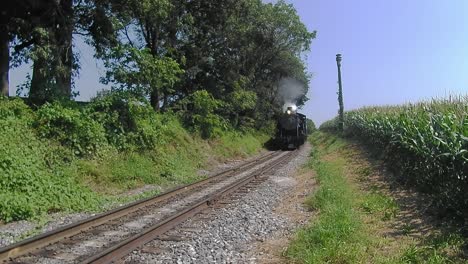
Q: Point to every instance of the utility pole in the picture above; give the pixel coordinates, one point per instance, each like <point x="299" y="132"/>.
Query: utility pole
<point x="340" y="95"/>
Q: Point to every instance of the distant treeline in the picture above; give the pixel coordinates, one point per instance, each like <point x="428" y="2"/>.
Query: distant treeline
<point x="162" y="50"/>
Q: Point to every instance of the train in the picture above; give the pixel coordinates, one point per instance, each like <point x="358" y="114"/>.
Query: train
<point x="291" y="128"/>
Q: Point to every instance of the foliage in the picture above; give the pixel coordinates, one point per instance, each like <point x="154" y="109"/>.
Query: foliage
<point x="130" y="122"/>
<point x="31" y="181"/>
<point x="14" y="108"/>
<point x="115" y="143"/>
<point x="237" y="51"/>
<point x="426" y="144"/>
<point x="111" y="110"/>
<point x="330" y="125"/>
<point x="71" y="127"/>
<point x="310" y="126"/>
<point x="200" y="114"/>
<point x="239" y="144"/>
<point x="140" y="71"/>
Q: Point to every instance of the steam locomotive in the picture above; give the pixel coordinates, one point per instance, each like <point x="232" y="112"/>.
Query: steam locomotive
<point x="291" y="129"/>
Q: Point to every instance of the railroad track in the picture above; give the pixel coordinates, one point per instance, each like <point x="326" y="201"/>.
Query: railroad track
<point x="110" y="236"/>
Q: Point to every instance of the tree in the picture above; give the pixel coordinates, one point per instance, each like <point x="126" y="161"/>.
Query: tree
<point x="243" y="42"/>
<point x="271" y="51"/>
<point x="42" y="31"/>
<point x="311" y="128"/>
<point x="139" y="71"/>
<point x="146" y="28"/>
<point x="4" y="59"/>
<point x="17" y="19"/>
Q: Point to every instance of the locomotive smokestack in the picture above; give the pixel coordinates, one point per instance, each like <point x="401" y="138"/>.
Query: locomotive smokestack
<point x="289" y="107"/>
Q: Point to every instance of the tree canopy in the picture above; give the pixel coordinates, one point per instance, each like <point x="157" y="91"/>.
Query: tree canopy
<point x="232" y="52"/>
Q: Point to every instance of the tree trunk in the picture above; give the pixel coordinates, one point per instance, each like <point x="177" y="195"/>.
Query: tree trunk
<point x="4" y="60"/>
<point x="37" y="92"/>
<point x="154" y="99"/>
<point x="64" y="38"/>
<point x="64" y="75"/>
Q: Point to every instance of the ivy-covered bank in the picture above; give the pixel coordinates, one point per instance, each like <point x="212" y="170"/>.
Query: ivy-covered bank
<point x="70" y="157"/>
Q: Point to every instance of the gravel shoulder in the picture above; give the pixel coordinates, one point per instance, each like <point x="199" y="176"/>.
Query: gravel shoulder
<point x="242" y="231"/>
<point x="292" y="208"/>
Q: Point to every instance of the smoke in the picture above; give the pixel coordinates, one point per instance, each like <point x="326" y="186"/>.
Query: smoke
<point x="289" y="90"/>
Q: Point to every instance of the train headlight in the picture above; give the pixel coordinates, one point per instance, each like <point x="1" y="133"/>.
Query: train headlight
<point x="288" y="112"/>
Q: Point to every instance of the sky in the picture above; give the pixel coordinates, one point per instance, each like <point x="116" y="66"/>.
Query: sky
<point x="393" y="52"/>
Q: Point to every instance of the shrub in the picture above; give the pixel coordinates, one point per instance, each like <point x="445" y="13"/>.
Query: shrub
<point x="15" y="108"/>
<point x="72" y="128"/>
<point x="330" y="125"/>
<point x="310" y="126"/>
<point x="111" y="110"/>
<point x="30" y="179"/>
<point x="129" y="121"/>
<point x="148" y="125"/>
<point x="200" y="114"/>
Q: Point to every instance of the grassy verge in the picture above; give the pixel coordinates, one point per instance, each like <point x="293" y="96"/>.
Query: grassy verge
<point x="356" y="219"/>
<point x="168" y="166"/>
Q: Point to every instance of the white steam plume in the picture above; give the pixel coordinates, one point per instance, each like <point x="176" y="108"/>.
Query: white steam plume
<point x="289" y="90"/>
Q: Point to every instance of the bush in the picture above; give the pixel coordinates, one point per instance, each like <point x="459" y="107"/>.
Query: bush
<point x="239" y="144"/>
<point x="200" y="114"/>
<point x="129" y="121"/>
<point x="48" y="155"/>
<point x="330" y="125"/>
<point x="310" y="126"/>
<point x="112" y="112"/>
<point x="14" y="108"/>
<point x="72" y="128"/>
<point x="30" y="179"/>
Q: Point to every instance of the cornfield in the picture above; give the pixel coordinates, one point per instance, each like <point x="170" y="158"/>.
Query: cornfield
<point x="426" y="144"/>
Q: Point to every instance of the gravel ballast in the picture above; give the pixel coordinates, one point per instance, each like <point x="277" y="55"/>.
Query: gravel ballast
<point x="228" y="234"/>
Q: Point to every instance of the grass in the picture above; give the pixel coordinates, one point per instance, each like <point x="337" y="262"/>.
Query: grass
<point x="167" y="166"/>
<point x="336" y="236"/>
<point x="352" y="216"/>
<point x="236" y="144"/>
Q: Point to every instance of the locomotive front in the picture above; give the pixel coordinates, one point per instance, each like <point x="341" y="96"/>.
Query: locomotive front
<point x="291" y="128"/>
<point x="288" y="119"/>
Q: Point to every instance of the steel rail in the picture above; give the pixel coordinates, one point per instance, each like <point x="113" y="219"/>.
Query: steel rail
<point x="122" y="249"/>
<point x="33" y="244"/>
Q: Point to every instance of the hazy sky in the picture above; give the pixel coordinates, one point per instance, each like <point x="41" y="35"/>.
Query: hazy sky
<point x="393" y="52"/>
